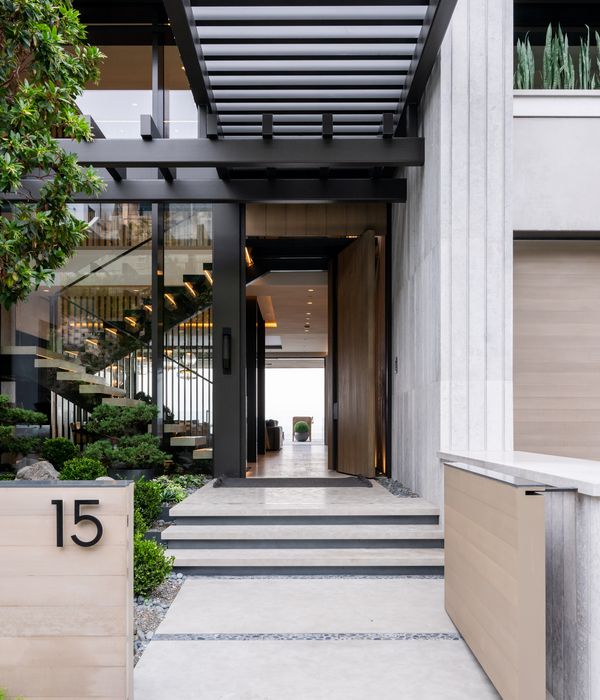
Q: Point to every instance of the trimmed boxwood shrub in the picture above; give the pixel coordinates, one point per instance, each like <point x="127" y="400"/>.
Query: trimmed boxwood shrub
<point x="57" y="451"/>
<point x="301" y="427"/>
<point x="147" y="498"/>
<point x="151" y="565"/>
<point x="16" y="416"/>
<point x="7" y="476"/>
<point x="139" y="524"/>
<point x="82" y="469"/>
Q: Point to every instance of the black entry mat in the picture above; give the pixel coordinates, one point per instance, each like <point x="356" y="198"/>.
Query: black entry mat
<point x="292" y="482"/>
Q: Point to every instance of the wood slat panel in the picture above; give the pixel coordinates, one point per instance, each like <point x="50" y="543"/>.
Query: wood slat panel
<point x="557" y="347"/>
<point x="495" y="586"/>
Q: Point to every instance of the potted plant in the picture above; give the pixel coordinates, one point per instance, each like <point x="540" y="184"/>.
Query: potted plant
<point x="301" y="431"/>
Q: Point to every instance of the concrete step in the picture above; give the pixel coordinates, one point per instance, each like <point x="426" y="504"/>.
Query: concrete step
<point x="203" y="453"/>
<point x="302" y="536"/>
<point x="173" y="428"/>
<point x="58" y="363"/>
<point x="417" y="561"/>
<point x="188" y="441"/>
<point x="83" y="377"/>
<point x="120" y="401"/>
<point x="101" y="389"/>
<point x="30" y="350"/>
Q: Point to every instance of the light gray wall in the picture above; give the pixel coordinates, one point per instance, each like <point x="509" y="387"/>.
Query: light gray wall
<point x="452" y="286"/>
<point x="557" y="169"/>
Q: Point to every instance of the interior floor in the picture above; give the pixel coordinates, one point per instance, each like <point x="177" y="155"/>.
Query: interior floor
<point x="295" y="459"/>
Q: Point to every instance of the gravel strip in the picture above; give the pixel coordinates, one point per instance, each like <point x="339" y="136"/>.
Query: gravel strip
<point x="396" y="488"/>
<point x="149" y="612"/>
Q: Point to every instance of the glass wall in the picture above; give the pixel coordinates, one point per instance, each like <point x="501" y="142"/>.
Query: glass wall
<point x="188" y="348"/>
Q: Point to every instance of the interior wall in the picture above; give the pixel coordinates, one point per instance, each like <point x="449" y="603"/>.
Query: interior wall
<point x="452" y="291"/>
<point x="557" y="347"/>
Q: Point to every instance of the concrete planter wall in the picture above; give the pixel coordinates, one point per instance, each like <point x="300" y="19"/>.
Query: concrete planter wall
<point x="556" y="146"/>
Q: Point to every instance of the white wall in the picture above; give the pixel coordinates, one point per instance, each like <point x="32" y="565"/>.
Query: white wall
<point x="293" y="392"/>
<point x="452" y="325"/>
<point x="556" y="163"/>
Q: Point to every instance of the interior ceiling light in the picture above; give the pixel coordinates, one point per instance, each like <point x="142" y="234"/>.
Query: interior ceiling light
<point x="311" y="290"/>
<point x="270" y="324"/>
<point x="309" y="302"/>
<point x="171" y="299"/>
<point x="208" y="276"/>
<point x="190" y="288"/>
<point x="131" y="321"/>
<point x="249" y="261"/>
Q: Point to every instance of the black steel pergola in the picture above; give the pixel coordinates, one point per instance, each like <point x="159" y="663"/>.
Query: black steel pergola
<point x="296" y="102"/>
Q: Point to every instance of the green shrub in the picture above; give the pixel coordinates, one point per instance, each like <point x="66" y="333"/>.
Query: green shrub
<point x="7" y="476"/>
<point x="58" y="450"/>
<point x="151" y="565"/>
<point x="172" y="491"/>
<point x="14" y="416"/>
<point x="102" y="450"/>
<point x="301" y="427"/>
<point x="139" y="524"/>
<point x="190" y="481"/>
<point x="19" y="445"/>
<point x="119" y="421"/>
<point x="82" y="469"/>
<point x="148" y="498"/>
<point x="141" y="451"/>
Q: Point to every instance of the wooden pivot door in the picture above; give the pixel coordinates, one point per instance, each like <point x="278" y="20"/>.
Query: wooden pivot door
<point x="356" y="385"/>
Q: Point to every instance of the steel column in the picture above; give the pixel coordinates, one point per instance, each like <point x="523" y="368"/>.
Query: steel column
<point x="157" y="323"/>
<point x="229" y="331"/>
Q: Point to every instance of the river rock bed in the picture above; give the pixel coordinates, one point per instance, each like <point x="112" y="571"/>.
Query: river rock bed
<point x="149" y="612"/>
<point x="396" y="488"/>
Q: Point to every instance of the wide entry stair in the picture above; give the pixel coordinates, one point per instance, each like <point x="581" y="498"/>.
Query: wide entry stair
<point x="345" y="527"/>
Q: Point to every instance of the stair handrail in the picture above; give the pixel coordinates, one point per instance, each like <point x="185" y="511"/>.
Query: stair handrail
<point x="106" y="264"/>
<point x="148" y="345"/>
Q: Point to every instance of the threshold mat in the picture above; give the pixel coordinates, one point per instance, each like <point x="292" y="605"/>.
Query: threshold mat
<point x="293" y="482"/>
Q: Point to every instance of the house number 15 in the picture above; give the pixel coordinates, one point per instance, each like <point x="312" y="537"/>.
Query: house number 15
<point x="78" y="518"/>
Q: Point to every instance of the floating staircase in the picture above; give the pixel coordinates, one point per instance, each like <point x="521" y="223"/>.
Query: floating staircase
<point x="391" y="536"/>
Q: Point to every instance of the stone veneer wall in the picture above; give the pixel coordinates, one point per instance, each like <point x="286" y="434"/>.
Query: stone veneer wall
<point x="452" y="262"/>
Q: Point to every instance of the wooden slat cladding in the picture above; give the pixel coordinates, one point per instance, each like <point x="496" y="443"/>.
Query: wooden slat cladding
<point x="356" y="287"/>
<point x="495" y="579"/>
<point x="557" y="347"/>
<point x="66" y="613"/>
<point x="297" y="220"/>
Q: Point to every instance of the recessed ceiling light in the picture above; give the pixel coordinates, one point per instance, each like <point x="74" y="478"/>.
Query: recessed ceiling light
<point x="311" y="290"/>
<point x="309" y="302"/>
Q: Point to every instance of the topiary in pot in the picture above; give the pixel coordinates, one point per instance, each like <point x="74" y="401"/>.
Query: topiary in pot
<point x="141" y="452"/>
<point x="15" y="416"/>
<point x="57" y="451"/>
<point x="301" y="431"/>
<point x="151" y="565"/>
<point x="148" y="498"/>
<point x="120" y="421"/>
<point x="104" y="451"/>
<point x="82" y="469"/>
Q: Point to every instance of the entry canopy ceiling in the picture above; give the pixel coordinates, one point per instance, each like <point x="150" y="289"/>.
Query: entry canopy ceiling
<point x="339" y="69"/>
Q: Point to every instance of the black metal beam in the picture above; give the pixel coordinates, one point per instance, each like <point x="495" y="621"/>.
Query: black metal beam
<point x="181" y="18"/>
<point x="437" y="19"/>
<point x="198" y="153"/>
<point x="219" y="191"/>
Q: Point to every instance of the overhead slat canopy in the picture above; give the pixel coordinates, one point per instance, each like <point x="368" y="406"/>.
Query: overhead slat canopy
<point x="352" y="61"/>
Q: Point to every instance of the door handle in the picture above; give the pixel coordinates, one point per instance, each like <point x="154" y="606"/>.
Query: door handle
<point x="226" y="350"/>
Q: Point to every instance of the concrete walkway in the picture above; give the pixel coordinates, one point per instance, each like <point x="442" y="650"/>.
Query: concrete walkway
<point x="309" y="638"/>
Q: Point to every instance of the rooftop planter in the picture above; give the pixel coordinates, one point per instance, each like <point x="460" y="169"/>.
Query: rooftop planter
<point x="557" y="103"/>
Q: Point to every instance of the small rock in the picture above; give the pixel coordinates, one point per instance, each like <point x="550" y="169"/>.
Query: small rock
<point x="179" y="576"/>
<point x="39" y="471"/>
<point x="104" y="478"/>
<point x="149" y="634"/>
<point x="25" y="462"/>
<point x="141" y="636"/>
